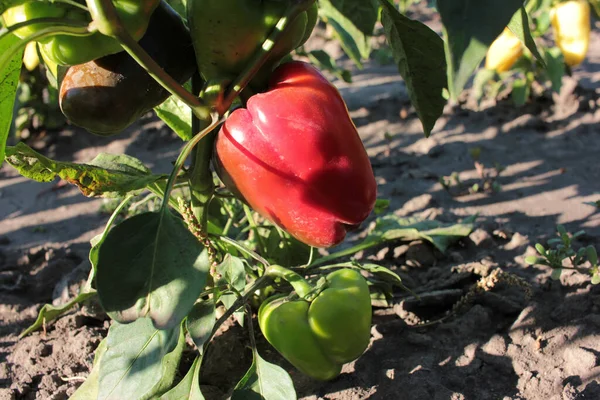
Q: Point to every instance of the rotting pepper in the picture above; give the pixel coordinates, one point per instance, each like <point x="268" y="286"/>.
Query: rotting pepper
<point x="227" y="32"/>
<point x="107" y="95"/>
<point x="571" y="23"/>
<point x="504" y="52"/>
<point x="294" y="155"/>
<point x="319" y="333"/>
<point x="72" y="50"/>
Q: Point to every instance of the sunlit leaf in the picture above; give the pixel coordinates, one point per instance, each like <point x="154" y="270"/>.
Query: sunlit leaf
<point x="140" y="361"/>
<point x="106" y="175"/>
<point x="470" y="27"/>
<point x="354" y="42"/>
<point x="9" y="79"/>
<point x="264" y="381"/>
<point x="519" y="25"/>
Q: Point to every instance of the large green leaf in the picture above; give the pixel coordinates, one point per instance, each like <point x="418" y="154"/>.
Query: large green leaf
<point x="89" y="389"/>
<point x="189" y="387"/>
<point x="106" y="175"/>
<point x="419" y="54"/>
<point x="151" y="265"/>
<point x="200" y="322"/>
<point x="519" y="25"/>
<point x="354" y="42"/>
<point x="470" y="27"/>
<point x="362" y="13"/>
<point x="9" y="79"/>
<point x="140" y="361"/>
<point x="264" y="381"/>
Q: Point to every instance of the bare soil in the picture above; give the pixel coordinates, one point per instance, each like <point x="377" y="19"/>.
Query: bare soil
<point x="504" y="344"/>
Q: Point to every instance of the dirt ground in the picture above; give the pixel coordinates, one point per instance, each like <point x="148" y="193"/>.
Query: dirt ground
<point x="504" y="345"/>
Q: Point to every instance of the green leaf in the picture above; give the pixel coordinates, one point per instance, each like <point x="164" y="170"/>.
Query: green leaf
<point x="179" y="6"/>
<point x="555" y="67"/>
<point x="592" y="255"/>
<point x="151" y="265"/>
<point x="556" y="272"/>
<point x="596" y="278"/>
<point x="140" y="361"/>
<point x="520" y="92"/>
<point x="177" y="115"/>
<point x="362" y="13"/>
<point x="324" y="61"/>
<point x="200" y="322"/>
<point x="535" y="260"/>
<point x="264" y="381"/>
<point x="89" y="389"/>
<point x="9" y="79"/>
<point x="482" y="78"/>
<point x="439" y="234"/>
<point x="49" y="312"/>
<point x="381" y="205"/>
<point x="519" y="25"/>
<point x="106" y="175"/>
<point x="232" y="273"/>
<point x="419" y="54"/>
<point x="189" y="387"/>
<point x="470" y="27"/>
<point x="354" y="42"/>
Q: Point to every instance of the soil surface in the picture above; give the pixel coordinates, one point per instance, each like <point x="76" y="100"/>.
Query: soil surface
<point x="524" y="337"/>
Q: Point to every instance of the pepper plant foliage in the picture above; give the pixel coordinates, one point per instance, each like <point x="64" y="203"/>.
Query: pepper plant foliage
<point x="163" y="275"/>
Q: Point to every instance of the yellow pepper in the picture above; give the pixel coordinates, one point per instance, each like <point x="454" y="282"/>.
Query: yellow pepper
<point x="571" y="22"/>
<point x="504" y="52"/>
<point x="30" y="56"/>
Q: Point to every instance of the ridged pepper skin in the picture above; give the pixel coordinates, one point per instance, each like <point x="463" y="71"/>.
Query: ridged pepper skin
<point x="504" y="52"/>
<point x="72" y="50"/>
<point x="571" y="23"/>
<point x="294" y="155"/>
<point x="107" y="95"/>
<point x="226" y="34"/>
<point x="319" y="337"/>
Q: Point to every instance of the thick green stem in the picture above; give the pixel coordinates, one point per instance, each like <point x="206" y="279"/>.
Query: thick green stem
<point x="184" y="155"/>
<point x="300" y="285"/>
<point x="51" y="22"/>
<point x="201" y="181"/>
<point x="108" y="23"/>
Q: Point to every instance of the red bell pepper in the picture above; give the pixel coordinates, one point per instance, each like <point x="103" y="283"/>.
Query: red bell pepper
<point x="294" y="155"/>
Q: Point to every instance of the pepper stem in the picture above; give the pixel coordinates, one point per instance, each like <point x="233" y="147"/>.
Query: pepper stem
<point x="262" y="55"/>
<point x="300" y="285"/>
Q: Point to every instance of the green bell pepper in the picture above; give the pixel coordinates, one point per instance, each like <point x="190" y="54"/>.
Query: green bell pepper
<point x="319" y="335"/>
<point x="72" y="50"/>
<point x="226" y="33"/>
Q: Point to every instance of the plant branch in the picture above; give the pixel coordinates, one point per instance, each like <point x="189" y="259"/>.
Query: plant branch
<point x="184" y="155"/>
<point x="262" y="55"/>
<point x="107" y="21"/>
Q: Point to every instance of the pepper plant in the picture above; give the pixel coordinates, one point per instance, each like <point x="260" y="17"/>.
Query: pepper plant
<point x="293" y="171"/>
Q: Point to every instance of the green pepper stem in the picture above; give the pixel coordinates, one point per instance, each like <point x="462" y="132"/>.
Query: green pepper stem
<point x="262" y="54"/>
<point x="107" y="21"/>
<point x="185" y="152"/>
<point x="71" y="30"/>
<point x="201" y="182"/>
<point x="300" y="285"/>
